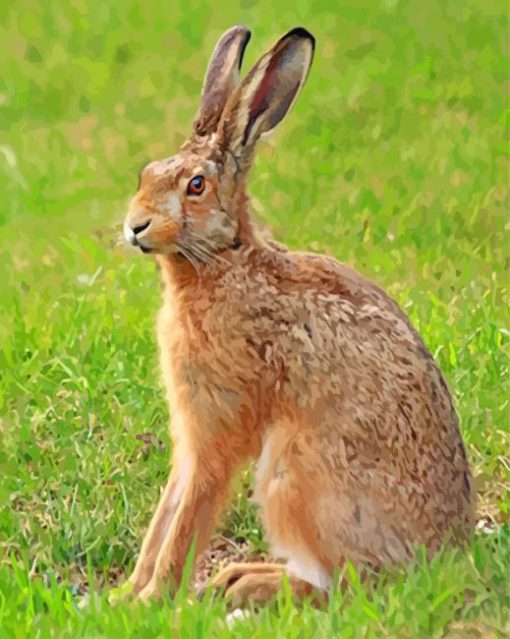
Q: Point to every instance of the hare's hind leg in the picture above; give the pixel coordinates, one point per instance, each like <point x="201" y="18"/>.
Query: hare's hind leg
<point x="293" y="535"/>
<point x="236" y="570"/>
<point x="318" y="512"/>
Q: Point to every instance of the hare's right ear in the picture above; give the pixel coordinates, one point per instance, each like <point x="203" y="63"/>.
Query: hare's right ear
<point x="266" y="94"/>
<point x="221" y="79"/>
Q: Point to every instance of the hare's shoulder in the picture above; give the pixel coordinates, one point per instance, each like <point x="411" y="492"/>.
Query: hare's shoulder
<point x="272" y="288"/>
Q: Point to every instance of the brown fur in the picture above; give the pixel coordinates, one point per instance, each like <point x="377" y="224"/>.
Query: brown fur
<point x="289" y="358"/>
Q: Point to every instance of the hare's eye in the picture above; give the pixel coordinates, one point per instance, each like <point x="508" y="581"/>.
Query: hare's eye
<point x="196" y="185"/>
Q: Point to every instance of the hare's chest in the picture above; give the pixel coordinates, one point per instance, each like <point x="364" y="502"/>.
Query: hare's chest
<point x="203" y="361"/>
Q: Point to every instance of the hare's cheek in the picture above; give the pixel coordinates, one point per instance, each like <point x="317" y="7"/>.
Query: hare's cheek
<point x="164" y="234"/>
<point x="218" y="227"/>
<point x="170" y="205"/>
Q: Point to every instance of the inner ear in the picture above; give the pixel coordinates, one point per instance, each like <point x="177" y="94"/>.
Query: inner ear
<point x="283" y="78"/>
<point x="268" y="91"/>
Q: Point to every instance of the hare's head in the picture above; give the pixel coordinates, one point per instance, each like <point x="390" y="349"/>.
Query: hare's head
<point x="190" y="203"/>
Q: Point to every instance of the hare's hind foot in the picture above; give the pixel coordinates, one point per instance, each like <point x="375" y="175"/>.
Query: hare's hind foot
<point x="259" y="583"/>
<point x="236" y="570"/>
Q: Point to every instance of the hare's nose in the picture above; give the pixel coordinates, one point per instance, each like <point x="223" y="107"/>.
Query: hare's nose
<point x="140" y="227"/>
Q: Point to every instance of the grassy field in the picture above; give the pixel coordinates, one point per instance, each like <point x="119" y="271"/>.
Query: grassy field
<point x="395" y="160"/>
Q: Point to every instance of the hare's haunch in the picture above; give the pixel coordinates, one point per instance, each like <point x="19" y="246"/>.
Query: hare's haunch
<point x="291" y="359"/>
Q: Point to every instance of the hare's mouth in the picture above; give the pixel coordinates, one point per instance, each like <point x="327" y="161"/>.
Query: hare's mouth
<point x="134" y="241"/>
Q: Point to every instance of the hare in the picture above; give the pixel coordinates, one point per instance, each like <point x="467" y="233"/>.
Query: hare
<point x="288" y="358"/>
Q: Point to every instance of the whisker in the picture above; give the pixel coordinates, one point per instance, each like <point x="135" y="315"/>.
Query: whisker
<point x="215" y="255"/>
<point x="195" y="245"/>
<point x="206" y="251"/>
<point x="190" y="256"/>
<point x="202" y="253"/>
<point x="199" y="252"/>
<point x="211" y="257"/>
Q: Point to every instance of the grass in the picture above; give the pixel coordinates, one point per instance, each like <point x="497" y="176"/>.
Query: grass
<point x="395" y="159"/>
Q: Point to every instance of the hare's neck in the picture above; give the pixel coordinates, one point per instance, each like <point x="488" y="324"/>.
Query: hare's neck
<point x="245" y="233"/>
<point x="178" y="275"/>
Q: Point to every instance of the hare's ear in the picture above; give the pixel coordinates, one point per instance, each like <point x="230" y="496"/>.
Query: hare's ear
<point x="221" y="79"/>
<point x="266" y="93"/>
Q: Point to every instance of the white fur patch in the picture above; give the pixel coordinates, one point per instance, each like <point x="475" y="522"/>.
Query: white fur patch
<point x="303" y="566"/>
<point x="171" y="204"/>
<point x="264" y="460"/>
<point x="209" y="169"/>
<point x="160" y="167"/>
<point x="128" y="233"/>
<point x="300" y="563"/>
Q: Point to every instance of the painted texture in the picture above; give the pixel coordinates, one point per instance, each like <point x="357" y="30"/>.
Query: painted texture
<point x="393" y="160"/>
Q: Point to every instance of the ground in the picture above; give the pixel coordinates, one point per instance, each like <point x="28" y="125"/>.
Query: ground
<point x="394" y="159"/>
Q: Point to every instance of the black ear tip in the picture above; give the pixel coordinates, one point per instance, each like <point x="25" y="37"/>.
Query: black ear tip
<point x="301" y="32"/>
<point x="246" y="39"/>
<point x="247" y="35"/>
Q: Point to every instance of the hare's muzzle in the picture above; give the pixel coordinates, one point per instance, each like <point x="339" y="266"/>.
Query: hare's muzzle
<point x="134" y="231"/>
<point x="150" y="227"/>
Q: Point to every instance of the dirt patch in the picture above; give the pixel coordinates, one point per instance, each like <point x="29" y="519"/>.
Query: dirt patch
<point x="221" y="552"/>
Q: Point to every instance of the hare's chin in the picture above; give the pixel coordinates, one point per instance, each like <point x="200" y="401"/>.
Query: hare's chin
<point x="160" y="250"/>
<point x="171" y="249"/>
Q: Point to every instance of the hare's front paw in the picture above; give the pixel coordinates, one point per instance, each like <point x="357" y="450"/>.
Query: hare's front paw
<point x="150" y="592"/>
<point x="121" y="593"/>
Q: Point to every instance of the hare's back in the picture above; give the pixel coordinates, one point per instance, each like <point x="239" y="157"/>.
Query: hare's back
<point x="347" y="341"/>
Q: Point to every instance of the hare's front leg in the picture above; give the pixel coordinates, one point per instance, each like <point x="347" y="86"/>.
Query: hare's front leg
<point x="202" y="496"/>
<point x="160" y="524"/>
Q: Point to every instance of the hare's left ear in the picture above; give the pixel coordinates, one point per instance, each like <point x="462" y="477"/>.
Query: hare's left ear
<point x="221" y="79"/>
<point x="266" y="93"/>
